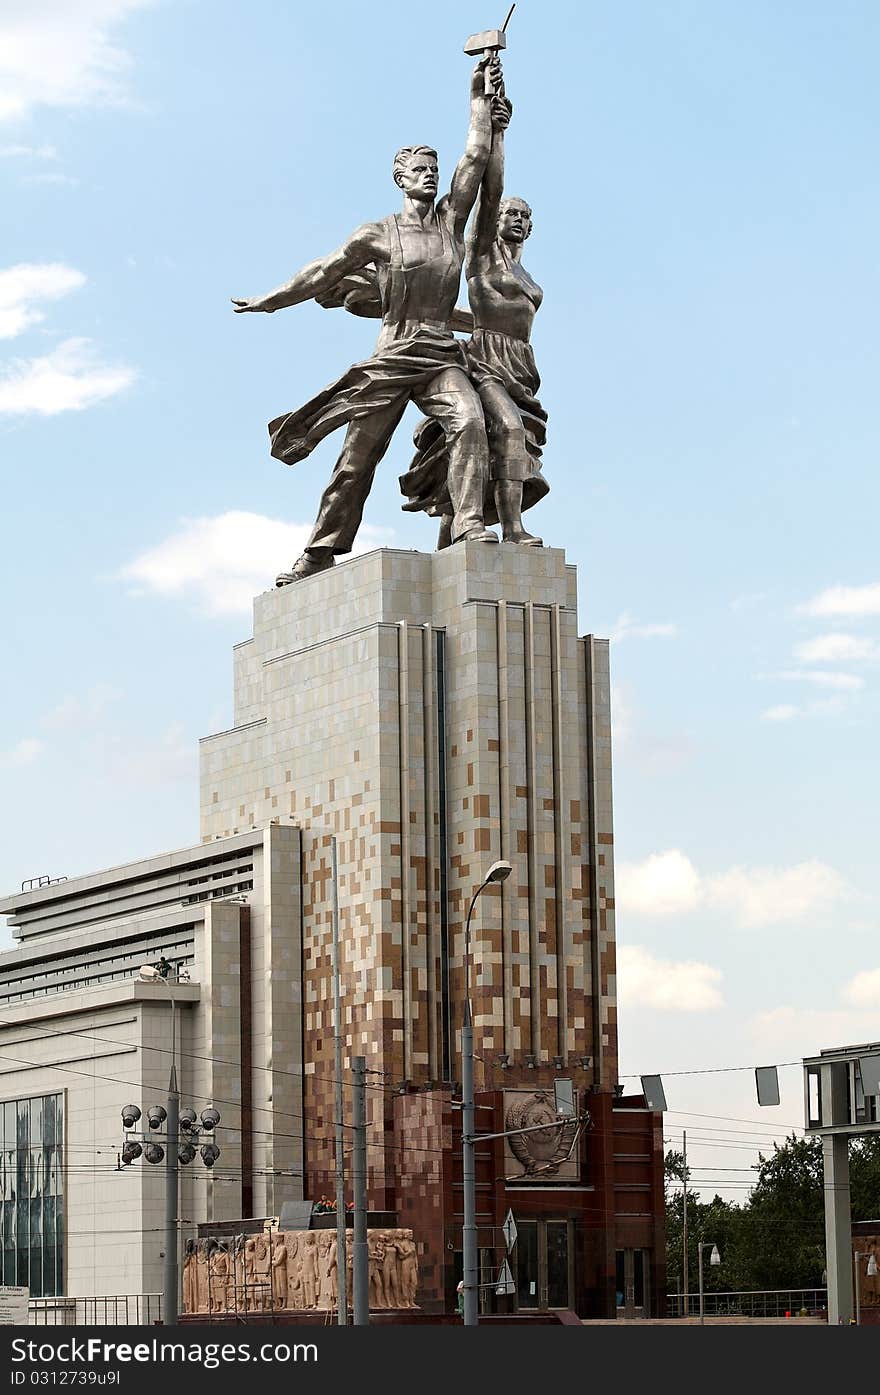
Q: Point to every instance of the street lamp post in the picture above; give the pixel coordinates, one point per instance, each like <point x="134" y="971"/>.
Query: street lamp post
<point x="498" y="872"/>
<point x="714" y="1258"/>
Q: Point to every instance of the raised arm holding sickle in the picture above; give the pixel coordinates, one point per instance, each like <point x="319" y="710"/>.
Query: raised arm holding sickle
<point x="418" y="256"/>
<point x="504" y="300"/>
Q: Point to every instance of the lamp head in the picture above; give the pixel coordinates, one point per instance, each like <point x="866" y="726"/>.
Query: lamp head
<point x="187" y="1153"/>
<point x="715" y="1256"/>
<point x="187" y="1119"/>
<point x="154" y="1152"/>
<point x="130" y="1152"/>
<point x="130" y="1116"/>
<point x="156" y="1116"/>
<point x="499" y="871"/>
<point x="210" y="1153"/>
<point x="872" y="1265"/>
<point x="148" y="973"/>
<point x="210" y="1118"/>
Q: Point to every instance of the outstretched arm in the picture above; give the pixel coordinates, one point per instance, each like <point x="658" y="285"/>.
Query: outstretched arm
<point x="485" y="221"/>
<point x="365" y="245"/>
<point x="469" y="170"/>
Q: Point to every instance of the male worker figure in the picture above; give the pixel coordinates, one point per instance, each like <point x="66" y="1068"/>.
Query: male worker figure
<point x="418" y="256"/>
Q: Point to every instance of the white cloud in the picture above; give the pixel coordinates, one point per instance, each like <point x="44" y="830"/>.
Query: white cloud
<point x="625" y="625"/>
<point x="66" y="380"/>
<point x="782" y="713"/>
<point x="74" y="712"/>
<point x="66" y="181"/>
<point x="61" y="53"/>
<point x="221" y="562"/>
<point x="757" y="896"/>
<point x="171" y="758"/>
<point x="28" y="152"/>
<point x="845" y="600"/>
<point x="835" y="649"/>
<point x="823" y="678"/>
<point x="789" y="1032"/>
<point x="22" y="286"/>
<point x="686" y="986"/>
<point x="864" y="990"/>
<point x="24" y="752"/>
<point x="668" y="884"/>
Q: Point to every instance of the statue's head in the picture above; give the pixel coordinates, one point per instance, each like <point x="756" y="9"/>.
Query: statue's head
<point x="514" y="221"/>
<point x="416" y="171"/>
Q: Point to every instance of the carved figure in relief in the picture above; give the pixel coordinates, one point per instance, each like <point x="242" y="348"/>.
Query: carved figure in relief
<point x="408" y="1267"/>
<point x="294" y="1270"/>
<point x="375" y="1259"/>
<point x="390" y="1270"/>
<point x="279" y="1273"/>
<point x="219" y="1281"/>
<point x="310" y="1270"/>
<point x="190" y="1299"/>
<point x="330" y="1274"/>
<point x="417" y="255"/>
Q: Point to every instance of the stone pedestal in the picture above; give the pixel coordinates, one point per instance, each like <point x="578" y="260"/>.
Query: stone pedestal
<point x="436" y="712"/>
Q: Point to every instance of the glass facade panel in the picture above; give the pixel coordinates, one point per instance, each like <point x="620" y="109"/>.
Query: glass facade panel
<point x="31" y="1200"/>
<point x="557" y="1264"/>
<point x="527" y="1264"/>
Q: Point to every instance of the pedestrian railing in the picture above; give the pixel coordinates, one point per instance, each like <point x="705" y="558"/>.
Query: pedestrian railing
<point x="753" y="1303"/>
<point x="114" y="1310"/>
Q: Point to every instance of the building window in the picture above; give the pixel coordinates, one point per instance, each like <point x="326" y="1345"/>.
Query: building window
<point x="31" y="1193"/>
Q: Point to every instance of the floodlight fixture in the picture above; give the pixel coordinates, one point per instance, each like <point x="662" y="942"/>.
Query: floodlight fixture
<point x="652" y="1089"/>
<point x="187" y="1153"/>
<point x="767" y="1085"/>
<point x="156" y="1116"/>
<point x="130" y="1152"/>
<point x="210" y="1118"/>
<point x="154" y="1152"/>
<point x="187" y="1119"/>
<point x="210" y="1153"/>
<point x="130" y="1116"/>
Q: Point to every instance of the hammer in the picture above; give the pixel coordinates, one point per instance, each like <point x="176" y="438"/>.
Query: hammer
<point x="488" y="42"/>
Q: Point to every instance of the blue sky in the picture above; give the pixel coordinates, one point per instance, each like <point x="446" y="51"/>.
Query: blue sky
<point x="703" y="177"/>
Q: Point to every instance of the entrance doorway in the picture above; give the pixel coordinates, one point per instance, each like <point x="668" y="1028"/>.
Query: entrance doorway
<point x="633" y="1282"/>
<point x="544" y="1264"/>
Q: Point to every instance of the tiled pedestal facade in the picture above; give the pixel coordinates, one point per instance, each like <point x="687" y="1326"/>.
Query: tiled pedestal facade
<point x="435" y="712"/>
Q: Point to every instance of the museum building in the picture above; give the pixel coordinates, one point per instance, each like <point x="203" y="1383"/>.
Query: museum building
<point x="431" y="713"/>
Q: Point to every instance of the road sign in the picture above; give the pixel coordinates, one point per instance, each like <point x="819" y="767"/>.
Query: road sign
<point x="14" y="1306"/>
<point x="505" y="1284"/>
<point x="509" y="1229"/>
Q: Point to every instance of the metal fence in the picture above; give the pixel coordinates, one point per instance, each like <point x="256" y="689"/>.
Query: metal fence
<point x="759" y="1303"/>
<point x="115" y="1310"/>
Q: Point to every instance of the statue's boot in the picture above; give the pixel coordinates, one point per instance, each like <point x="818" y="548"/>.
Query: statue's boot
<point x="444" y="537"/>
<point x="508" y="502"/>
<point x="309" y="564"/>
<point x="478" y="535"/>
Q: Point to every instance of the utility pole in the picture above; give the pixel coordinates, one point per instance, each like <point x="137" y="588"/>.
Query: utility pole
<point x="684" y="1226"/>
<point x="172" y="1195"/>
<point x="360" y="1264"/>
<point x="341" y="1260"/>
